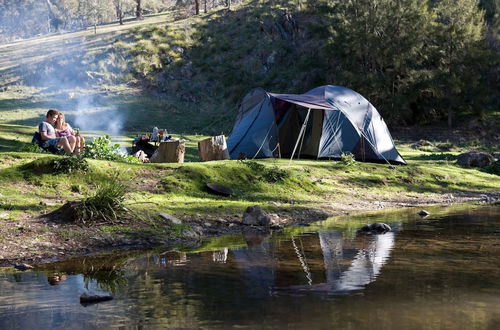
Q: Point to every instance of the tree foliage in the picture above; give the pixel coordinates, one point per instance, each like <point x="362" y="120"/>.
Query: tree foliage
<point x="415" y="60"/>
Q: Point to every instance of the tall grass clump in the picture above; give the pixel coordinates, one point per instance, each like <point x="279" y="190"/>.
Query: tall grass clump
<point x="106" y="204"/>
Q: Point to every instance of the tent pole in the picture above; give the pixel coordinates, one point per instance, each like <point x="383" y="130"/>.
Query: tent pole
<point x="302" y="140"/>
<point x="302" y="131"/>
<point x="269" y="130"/>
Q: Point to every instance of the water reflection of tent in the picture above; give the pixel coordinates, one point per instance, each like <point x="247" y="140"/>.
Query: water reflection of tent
<point x="348" y="269"/>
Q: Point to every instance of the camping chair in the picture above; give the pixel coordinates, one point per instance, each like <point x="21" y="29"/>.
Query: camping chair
<point x="37" y="138"/>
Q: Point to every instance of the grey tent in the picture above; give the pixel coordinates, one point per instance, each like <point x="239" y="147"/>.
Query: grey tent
<point x="325" y="122"/>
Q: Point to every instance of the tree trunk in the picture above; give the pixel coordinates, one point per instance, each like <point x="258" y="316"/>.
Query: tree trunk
<point x="119" y="11"/>
<point x="206" y="6"/>
<point x="196" y="7"/>
<point x="138" y="10"/>
<point x="169" y="152"/>
<point x="214" y="148"/>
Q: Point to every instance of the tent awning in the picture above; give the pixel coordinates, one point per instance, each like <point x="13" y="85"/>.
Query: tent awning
<point x="308" y="101"/>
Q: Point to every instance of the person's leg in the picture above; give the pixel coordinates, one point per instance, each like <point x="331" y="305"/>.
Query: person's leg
<point x="64" y="143"/>
<point x="72" y="144"/>
<point x="80" y="143"/>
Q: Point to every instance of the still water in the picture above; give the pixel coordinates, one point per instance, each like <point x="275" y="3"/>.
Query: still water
<point x="440" y="272"/>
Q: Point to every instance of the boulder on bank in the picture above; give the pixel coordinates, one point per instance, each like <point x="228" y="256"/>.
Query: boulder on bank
<point x="255" y="216"/>
<point x="475" y="159"/>
<point x="422" y="143"/>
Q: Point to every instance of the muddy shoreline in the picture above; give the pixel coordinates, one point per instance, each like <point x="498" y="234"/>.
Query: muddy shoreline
<point x="39" y="239"/>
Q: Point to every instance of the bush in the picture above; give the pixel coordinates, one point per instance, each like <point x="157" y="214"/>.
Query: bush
<point x="348" y="159"/>
<point x="271" y="175"/>
<point x="275" y="174"/>
<point x="31" y="147"/>
<point x="493" y="168"/>
<point x="69" y="164"/>
<point x="102" y="148"/>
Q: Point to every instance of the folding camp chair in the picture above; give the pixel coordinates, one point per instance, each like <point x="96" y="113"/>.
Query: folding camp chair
<point x="37" y="138"/>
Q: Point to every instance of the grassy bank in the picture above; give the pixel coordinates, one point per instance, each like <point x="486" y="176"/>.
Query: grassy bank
<point x="304" y="190"/>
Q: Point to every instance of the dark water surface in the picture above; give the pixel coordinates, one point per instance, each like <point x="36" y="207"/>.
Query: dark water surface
<point x="441" y="272"/>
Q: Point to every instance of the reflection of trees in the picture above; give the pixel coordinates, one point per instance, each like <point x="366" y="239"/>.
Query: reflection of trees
<point x="105" y="271"/>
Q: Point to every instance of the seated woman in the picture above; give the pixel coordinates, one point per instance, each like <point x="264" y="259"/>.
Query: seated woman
<point x="63" y="129"/>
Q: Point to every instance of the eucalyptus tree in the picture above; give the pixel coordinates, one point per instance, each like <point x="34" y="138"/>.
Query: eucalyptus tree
<point x="139" y="12"/>
<point x="459" y="36"/>
<point x="379" y="48"/>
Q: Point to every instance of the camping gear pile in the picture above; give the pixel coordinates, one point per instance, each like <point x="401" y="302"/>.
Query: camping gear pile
<point x="164" y="150"/>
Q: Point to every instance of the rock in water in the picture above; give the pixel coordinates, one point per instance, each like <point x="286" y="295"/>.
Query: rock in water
<point x="423" y="213"/>
<point x="375" y="228"/>
<point x="88" y="299"/>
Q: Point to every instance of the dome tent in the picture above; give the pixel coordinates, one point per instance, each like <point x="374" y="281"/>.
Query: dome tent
<point x="325" y="122"/>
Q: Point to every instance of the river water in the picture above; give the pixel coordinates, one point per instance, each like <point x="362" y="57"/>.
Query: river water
<point x="438" y="272"/>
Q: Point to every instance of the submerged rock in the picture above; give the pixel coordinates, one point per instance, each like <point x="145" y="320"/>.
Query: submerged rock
<point x="375" y="228"/>
<point x="87" y="299"/>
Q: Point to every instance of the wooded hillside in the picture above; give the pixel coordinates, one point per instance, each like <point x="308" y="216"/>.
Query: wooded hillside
<point x="417" y="61"/>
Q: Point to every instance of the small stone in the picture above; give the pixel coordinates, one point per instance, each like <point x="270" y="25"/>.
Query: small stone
<point x="207" y="224"/>
<point x="4" y="215"/>
<point x="22" y="267"/>
<point x="170" y="218"/>
<point x="423" y="213"/>
<point x="190" y="234"/>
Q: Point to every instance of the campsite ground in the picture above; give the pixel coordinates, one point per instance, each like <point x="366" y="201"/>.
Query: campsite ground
<point x="33" y="228"/>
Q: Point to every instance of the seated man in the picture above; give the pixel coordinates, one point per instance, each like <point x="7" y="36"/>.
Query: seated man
<point x="48" y="134"/>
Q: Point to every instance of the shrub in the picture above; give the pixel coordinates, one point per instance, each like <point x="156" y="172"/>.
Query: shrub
<point x="275" y="174"/>
<point x="102" y="148"/>
<point x="256" y="167"/>
<point x="347" y="159"/>
<point x="69" y="164"/>
<point x="493" y="168"/>
<point x="31" y="147"/>
<point x="271" y="175"/>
